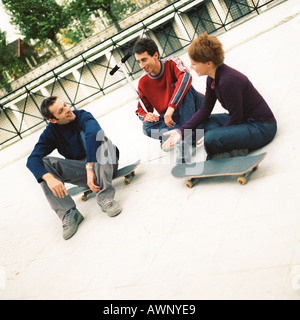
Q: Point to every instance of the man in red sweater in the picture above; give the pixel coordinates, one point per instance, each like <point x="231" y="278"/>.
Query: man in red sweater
<point x="165" y="88"/>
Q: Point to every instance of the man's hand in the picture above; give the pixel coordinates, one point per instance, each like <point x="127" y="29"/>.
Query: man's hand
<point x="151" y="117"/>
<point x="92" y="180"/>
<point x="56" y="186"/>
<point x="168" y="117"/>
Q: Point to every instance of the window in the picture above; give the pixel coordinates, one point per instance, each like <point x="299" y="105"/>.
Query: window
<point x="237" y="8"/>
<point x="167" y="39"/>
<point x="201" y="19"/>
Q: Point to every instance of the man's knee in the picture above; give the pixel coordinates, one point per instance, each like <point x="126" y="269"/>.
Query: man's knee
<point x="50" y="162"/>
<point x="147" y="128"/>
<point x="154" y="130"/>
<point x="107" y="152"/>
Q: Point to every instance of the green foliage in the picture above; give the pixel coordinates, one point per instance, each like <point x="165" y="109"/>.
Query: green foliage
<point x="81" y="26"/>
<point x="114" y="10"/>
<point x="9" y="63"/>
<point x="43" y="20"/>
<point x="38" y="19"/>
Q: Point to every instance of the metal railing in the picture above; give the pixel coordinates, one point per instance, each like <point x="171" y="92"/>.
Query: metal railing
<point x="86" y="76"/>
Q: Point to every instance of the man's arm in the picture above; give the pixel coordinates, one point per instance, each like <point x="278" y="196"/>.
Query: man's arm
<point x="55" y="185"/>
<point x="94" y="134"/>
<point x="182" y="84"/>
<point x="140" y="112"/>
<point x="91" y="177"/>
<point x="94" y="138"/>
<point x="35" y="164"/>
<point x="35" y="161"/>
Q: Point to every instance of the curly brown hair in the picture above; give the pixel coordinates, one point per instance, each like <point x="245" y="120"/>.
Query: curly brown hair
<point x="207" y="48"/>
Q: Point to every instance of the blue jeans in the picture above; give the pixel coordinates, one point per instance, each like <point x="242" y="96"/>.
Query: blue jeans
<point x="190" y="104"/>
<point x="250" y="135"/>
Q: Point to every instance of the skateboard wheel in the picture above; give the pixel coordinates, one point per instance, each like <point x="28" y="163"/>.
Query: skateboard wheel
<point x="127" y="181"/>
<point x="132" y="173"/>
<point x="189" y="184"/>
<point x="241" y="180"/>
<point x="84" y="198"/>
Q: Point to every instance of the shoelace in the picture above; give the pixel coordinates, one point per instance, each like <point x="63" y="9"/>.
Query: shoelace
<point x="107" y="203"/>
<point x="67" y="219"/>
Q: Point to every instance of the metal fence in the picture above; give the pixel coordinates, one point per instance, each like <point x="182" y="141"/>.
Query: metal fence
<point x="86" y="76"/>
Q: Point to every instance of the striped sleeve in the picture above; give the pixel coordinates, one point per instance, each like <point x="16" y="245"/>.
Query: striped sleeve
<point x="183" y="83"/>
<point x="140" y="112"/>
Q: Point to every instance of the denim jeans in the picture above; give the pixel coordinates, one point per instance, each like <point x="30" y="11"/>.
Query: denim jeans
<point x="250" y="135"/>
<point x="190" y="104"/>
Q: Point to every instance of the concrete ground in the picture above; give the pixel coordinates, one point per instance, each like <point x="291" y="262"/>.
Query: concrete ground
<point x="218" y="240"/>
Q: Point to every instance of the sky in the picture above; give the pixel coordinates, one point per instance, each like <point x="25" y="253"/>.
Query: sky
<point x="12" y="32"/>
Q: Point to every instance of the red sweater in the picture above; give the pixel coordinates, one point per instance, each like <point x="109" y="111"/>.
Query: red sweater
<point x="167" y="89"/>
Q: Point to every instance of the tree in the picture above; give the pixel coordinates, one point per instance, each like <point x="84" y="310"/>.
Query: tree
<point x="4" y="61"/>
<point x="114" y="10"/>
<point x="81" y="26"/>
<point x="11" y="67"/>
<point x="38" y="19"/>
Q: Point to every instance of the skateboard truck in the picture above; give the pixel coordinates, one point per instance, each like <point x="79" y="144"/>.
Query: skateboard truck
<point x="244" y="178"/>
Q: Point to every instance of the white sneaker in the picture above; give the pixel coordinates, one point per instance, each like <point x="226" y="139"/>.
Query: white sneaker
<point x="110" y="206"/>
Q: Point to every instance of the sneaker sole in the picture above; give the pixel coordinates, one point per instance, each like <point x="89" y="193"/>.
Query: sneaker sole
<point x="112" y="214"/>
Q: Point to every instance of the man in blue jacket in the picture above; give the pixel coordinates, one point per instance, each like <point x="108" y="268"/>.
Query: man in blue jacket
<point x="90" y="159"/>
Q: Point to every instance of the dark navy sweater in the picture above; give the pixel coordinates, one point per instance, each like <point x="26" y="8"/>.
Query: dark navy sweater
<point x="68" y="141"/>
<point x="236" y="94"/>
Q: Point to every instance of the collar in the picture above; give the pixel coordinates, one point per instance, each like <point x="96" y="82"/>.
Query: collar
<point x="162" y="69"/>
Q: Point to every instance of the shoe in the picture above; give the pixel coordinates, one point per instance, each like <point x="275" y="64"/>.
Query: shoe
<point x="219" y="156"/>
<point x="239" y="152"/>
<point x="110" y="206"/>
<point x="231" y="154"/>
<point x="70" y="222"/>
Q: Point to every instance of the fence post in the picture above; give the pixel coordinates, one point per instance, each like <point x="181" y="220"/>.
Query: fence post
<point x="7" y="116"/>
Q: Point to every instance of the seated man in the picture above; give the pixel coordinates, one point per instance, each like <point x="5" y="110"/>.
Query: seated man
<point x="166" y="87"/>
<point x="89" y="159"/>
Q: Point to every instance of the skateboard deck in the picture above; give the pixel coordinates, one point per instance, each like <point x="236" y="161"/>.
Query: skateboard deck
<point x="127" y="172"/>
<point x="239" y="166"/>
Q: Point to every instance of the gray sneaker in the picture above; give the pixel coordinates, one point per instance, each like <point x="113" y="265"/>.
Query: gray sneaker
<point x="231" y="154"/>
<point x="70" y="223"/>
<point x="110" y="206"/>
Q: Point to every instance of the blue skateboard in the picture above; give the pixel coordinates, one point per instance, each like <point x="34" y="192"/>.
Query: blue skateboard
<point x="239" y="166"/>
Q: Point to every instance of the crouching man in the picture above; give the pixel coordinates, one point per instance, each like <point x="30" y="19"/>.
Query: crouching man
<point x="90" y="159"/>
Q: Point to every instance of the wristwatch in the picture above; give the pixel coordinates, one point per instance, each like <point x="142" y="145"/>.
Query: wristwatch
<point x="87" y="166"/>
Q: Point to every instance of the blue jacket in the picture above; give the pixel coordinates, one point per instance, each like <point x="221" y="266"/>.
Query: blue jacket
<point x="69" y="142"/>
